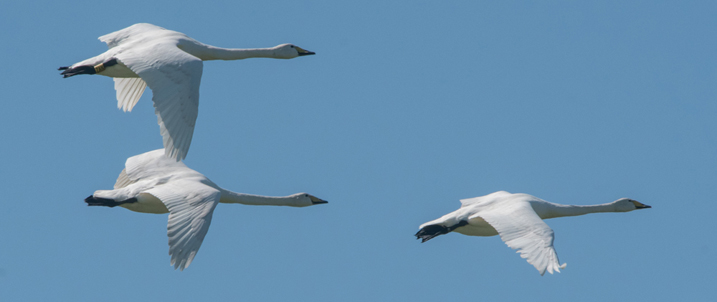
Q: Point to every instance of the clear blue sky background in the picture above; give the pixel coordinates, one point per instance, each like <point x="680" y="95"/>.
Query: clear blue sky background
<point x="407" y="107"/>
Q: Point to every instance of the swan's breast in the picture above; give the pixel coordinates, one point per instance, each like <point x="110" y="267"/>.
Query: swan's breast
<point x="146" y="203"/>
<point x="477" y="227"/>
<point x="118" y="70"/>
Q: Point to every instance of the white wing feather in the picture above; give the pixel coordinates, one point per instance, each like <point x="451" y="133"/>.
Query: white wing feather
<point x="151" y="164"/>
<point x="174" y="77"/>
<point x="492" y="197"/>
<point x="118" y="37"/>
<point x="123" y="180"/>
<point x="191" y="205"/>
<point x="146" y="165"/>
<point x="129" y="91"/>
<point x="523" y="230"/>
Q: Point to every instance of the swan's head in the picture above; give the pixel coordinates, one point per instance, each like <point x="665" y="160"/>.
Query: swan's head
<point x="290" y="51"/>
<point x="627" y="205"/>
<point x="305" y="200"/>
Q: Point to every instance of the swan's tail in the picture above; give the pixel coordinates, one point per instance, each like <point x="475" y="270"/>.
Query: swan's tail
<point x="106" y="202"/>
<point x="430" y="231"/>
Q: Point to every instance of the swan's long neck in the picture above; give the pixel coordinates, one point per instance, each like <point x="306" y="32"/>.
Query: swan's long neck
<point x="552" y="210"/>
<point x="216" y="53"/>
<point x="257" y="200"/>
<point x="208" y="52"/>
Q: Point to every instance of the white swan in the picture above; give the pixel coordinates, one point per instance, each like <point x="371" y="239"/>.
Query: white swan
<point x="170" y="63"/>
<point x="153" y="183"/>
<point x="517" y="218"/>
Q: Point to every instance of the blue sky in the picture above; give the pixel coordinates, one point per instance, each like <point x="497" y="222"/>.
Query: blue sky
<point x="407" y="107"/>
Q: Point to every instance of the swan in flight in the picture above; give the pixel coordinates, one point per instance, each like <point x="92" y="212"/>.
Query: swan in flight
<point x="170" y="63"/>
<point x="518" y="219"/>
<point x="153" y="183"/>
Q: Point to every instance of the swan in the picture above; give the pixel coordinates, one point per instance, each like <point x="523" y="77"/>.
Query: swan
<point x="517" y="218"/>
<point x="170" y="63"/>
<point x="154" y="183"/>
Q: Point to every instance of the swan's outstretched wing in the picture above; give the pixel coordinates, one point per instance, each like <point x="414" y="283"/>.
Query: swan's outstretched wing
<point x="118" y="37"/>
<point x="522" y="229"/>
<point x="129" y="90"/>
<point x="149" y="164"/>
<point x="485" y="199"/>
<point x="174" y="77"/>
<point x="190" y="204"/>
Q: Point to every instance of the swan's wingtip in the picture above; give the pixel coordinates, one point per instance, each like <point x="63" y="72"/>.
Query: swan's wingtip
<point x="551" y="270"/>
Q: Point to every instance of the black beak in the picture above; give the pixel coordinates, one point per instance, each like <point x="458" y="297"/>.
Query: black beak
<point x="640" y="205"/>
<point x="316" y="200"/>
<point x="306" y="53"/>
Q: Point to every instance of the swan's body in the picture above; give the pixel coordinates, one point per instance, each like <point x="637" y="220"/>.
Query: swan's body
<point x="153" y="183"/>
<point x="518" y="219"/>
<point x="170" y="63"/>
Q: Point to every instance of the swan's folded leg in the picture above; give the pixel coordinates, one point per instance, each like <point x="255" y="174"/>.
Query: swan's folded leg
<point x="106" y="202"/>
<point x="86" y="69"/>
<point x="430" y="231"/>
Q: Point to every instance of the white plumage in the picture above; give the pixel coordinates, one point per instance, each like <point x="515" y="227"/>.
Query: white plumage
<point x="518" y="219"/>
<point x="170" y="63"/>
<point x="153" y="183"/>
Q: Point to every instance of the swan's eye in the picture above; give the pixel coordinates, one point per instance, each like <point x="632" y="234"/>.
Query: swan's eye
<point x="292" y="46"/>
